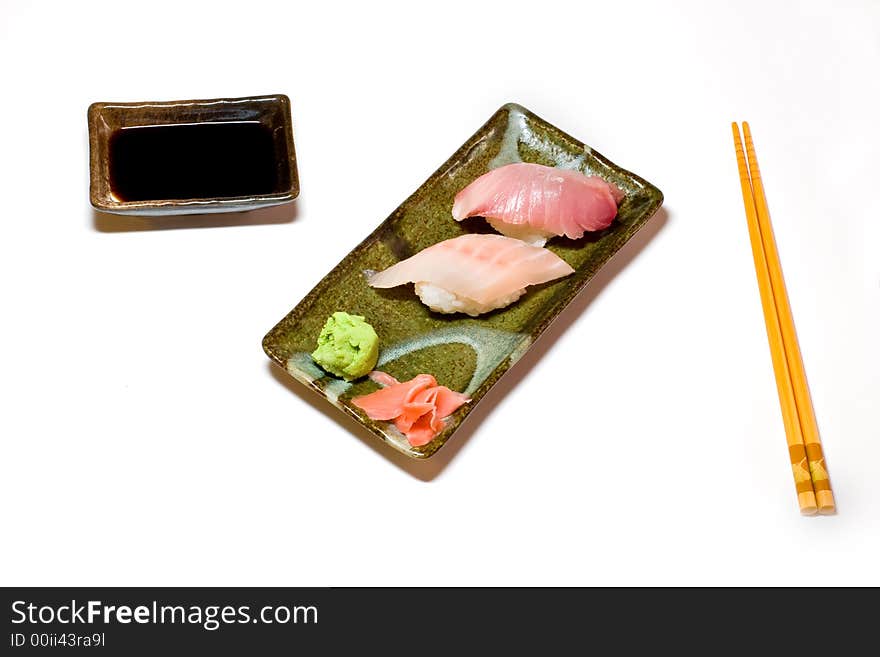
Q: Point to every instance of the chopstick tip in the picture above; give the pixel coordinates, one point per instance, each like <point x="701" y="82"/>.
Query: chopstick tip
<point x="825" y="501"/>
<point x="807" y="503"/>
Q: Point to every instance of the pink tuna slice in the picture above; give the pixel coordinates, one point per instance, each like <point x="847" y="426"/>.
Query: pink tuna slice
<point x="557" y="201"/>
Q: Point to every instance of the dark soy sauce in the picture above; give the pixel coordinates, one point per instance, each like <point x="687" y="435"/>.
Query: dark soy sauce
<point x="194" y="160"/>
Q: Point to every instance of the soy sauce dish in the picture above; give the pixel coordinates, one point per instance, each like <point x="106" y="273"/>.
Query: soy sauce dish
<point x="191" y="156"/>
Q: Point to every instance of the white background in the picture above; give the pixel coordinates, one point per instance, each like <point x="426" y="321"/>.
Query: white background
<point x="147" y="440"/>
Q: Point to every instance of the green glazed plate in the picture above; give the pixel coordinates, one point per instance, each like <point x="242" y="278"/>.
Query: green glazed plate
<point x="466" y="354"/>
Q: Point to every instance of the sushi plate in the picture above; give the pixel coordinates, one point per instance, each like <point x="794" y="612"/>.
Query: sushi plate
<point x="466" y="354"/>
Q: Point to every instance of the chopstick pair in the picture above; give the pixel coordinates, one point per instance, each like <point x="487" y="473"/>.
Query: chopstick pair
<point x="804" y="446"/>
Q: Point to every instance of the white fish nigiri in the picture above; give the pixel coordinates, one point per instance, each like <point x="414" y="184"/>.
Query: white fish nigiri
<point x="532" y="202"/>
<point x="474" y="274"/>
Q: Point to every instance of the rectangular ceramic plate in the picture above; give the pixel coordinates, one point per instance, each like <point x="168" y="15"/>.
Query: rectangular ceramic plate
<point x="466" y="354"/>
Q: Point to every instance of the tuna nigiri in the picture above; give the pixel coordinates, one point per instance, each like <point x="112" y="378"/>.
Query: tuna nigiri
<point x="474" y="274"/>
<point x="417" y="407"/>
<point x="532" y="202"/>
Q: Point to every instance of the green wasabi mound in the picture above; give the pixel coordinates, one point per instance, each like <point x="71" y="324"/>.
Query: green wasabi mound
<point x="347" y="347"/>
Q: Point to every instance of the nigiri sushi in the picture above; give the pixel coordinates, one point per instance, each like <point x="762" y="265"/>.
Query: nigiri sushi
<point x="532" y="202"/>
<point x="473" y="274"/>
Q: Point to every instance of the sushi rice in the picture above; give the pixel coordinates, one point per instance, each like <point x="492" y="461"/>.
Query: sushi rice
<point x="441" y="300"/>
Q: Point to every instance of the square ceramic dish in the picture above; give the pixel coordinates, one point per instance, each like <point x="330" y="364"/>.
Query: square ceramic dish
<point x="466" y="354"/>
<point x="270" y="129"/>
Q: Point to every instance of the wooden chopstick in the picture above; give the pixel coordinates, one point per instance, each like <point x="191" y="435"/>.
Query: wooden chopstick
<point x="796" y="448"/>
<point x="806" y="415"/>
